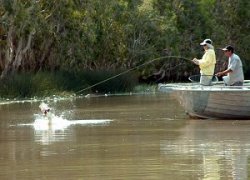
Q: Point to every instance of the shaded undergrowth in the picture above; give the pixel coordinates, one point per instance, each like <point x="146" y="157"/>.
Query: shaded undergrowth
<point x="41" y="84"/>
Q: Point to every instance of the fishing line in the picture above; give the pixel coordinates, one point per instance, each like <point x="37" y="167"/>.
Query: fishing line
<point x="136" y="67"/>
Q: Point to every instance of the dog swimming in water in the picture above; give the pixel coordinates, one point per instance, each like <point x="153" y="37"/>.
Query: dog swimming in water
<point x="46" y="112"/>
<point x="44" y="108"/>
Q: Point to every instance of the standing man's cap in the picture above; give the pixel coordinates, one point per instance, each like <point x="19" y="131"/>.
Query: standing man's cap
<point x="228" y="48"/>
<point x="206" y="41"/>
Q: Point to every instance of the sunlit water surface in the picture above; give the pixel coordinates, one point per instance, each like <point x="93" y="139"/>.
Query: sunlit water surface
<point x="119" y="137"/>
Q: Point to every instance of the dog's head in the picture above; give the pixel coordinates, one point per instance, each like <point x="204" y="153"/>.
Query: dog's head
<point x="46" y="111"/>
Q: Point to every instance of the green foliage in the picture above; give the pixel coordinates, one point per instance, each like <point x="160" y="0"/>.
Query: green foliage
<point x="145" y="88"/>
<point x="94" y="35"/>
<point x="48" y="84"/>
<point x="108" y="81"/>
<point x="16" y="86"/>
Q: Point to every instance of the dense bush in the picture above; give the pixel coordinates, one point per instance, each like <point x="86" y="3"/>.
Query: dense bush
<point x="93" y="35"/>
<point x="27" y="85"/>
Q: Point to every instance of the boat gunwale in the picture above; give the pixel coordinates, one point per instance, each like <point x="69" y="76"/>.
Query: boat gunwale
<point x="215" y="88"/>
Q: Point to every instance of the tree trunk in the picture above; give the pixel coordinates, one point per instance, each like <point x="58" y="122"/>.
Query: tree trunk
<point x="9" y="54"/>
<point x="20" y="52"/>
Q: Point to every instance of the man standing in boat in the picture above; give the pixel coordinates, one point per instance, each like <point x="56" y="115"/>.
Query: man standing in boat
<point x="207" y="63"/>
<point x="234" y="72"/>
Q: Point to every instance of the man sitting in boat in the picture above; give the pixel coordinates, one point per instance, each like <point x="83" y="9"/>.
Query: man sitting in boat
<point x="234" y="73"/>
<point x="207" y="63"/>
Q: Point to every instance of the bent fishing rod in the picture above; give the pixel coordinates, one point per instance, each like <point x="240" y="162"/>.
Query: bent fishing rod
<point x="131" y="69"/>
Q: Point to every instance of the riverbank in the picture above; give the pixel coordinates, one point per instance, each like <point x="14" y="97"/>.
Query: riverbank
<point x="46" y="84"/>
<point x="62" y="96"/>
<point x="65" y="84"/>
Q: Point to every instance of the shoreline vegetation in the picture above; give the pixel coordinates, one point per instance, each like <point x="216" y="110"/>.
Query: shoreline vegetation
<point x="63" y="47"/>
<point x="65" y="84"/>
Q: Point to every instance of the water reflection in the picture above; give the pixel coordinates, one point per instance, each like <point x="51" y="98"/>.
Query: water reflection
<point x="219" y="147"/>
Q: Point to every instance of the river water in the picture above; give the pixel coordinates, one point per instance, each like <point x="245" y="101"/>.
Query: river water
<point x="119" y="137"/>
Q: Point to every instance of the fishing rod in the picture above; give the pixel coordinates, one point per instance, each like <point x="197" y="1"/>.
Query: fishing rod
<point x="131" y="69"/>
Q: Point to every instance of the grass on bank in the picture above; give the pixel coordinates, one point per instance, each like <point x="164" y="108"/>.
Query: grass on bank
<point x="44" y="84"/>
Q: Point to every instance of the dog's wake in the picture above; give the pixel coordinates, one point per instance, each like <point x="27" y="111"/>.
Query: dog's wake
<point x="58" y="123"/>
<point x="50" y="128"/>
<point x="49" y="121"/>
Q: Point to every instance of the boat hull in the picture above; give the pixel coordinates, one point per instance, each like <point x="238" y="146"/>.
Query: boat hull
<point x="214" y="102"/>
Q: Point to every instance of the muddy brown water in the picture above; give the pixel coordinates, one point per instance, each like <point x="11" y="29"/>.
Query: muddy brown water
<point x="119" y="137"/>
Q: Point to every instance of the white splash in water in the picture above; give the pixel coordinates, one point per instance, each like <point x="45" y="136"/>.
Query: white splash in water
<point x="53" y="128"/>
<point x="53" y="122"/>
<point x="49" y="121"/>
<point x="49" y="128"/>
